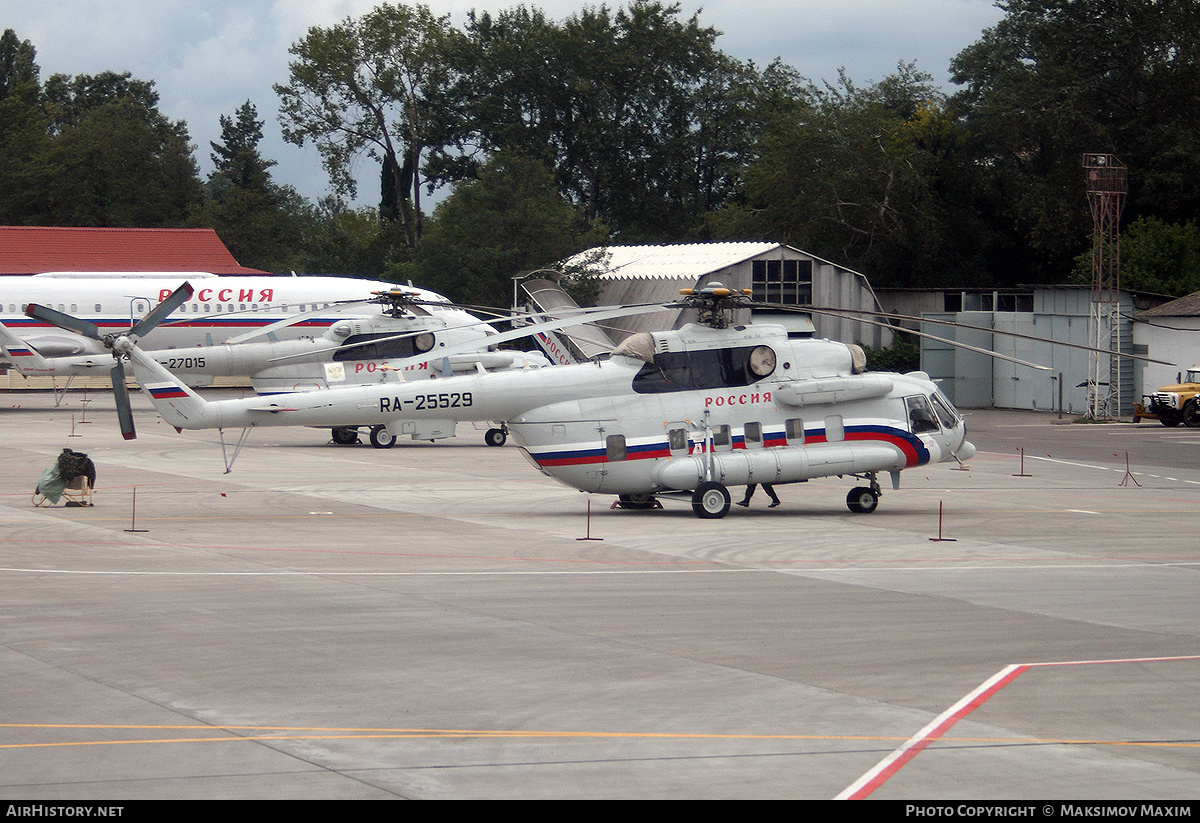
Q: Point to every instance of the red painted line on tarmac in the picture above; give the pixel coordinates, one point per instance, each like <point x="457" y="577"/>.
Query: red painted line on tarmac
<point x="895" y="761"/>
<point x="884" y="769"/>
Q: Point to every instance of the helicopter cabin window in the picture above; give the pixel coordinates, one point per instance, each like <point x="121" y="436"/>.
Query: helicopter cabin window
<point x="782" y="281"/>
<point x="722" y="438"/>
<point x="615" y="446"/>
<point x="677" y="441"/>
<point x="752" y="434"/>
<point x="793" y="431"/>
<point x="835" y="429"/>
<point x="705" y="369"/>
<point x="920" y="414"/>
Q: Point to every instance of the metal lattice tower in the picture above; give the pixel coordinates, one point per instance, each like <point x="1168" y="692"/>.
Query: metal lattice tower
<point x="1106" y="188"/>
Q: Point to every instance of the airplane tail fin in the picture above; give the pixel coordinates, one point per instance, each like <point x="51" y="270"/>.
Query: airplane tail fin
<point x="23" y="357"/>
<point x="174" y="401"/>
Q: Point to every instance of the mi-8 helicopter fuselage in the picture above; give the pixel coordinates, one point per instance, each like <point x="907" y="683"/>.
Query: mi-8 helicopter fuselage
<point x="692" y="410"/>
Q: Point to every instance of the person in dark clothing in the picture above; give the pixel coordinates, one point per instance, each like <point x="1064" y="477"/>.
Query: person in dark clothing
<point x="745" y="501"/>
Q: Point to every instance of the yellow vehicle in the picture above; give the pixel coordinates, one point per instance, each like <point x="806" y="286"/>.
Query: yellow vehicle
<point x="1177" y="404"/>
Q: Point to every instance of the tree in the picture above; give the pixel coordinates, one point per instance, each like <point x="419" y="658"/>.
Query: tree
<point x="509" y="220"/>
<point x="1157" y="257"/>
<point x="263" y="225"/>
<point x="1057" y="78"/>
<point x="122" y="162"/>
<point x="642" y="120"/>
<point x="861" y="175"/>
<point x="24" y="139"/>
<point x="236" y="160"/>
<point x="372" y="85"/>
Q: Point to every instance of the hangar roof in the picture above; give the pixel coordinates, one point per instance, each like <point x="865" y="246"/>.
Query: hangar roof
<point x="683" y="261"/>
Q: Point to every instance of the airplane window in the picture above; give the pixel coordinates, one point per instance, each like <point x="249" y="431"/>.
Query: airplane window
<point x="74" y="310"/>
<point x="98" y="309"/>
<point x="835" y="429"/>
<point x="616" y="447"/>
<point x="706" y="369"/>
<point x="920" y="415"/>
<point x="793" y="430"/>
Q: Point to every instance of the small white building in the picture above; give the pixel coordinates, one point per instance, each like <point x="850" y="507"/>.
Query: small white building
<point x="774" y="272"/>
<point x="1168" y="332"/>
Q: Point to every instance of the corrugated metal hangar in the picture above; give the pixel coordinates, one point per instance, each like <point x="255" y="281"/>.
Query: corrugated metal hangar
<point x="774" y="272"/>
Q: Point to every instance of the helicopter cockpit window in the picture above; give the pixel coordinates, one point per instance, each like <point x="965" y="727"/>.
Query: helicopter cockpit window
<point x="945" y="411"/>
<point x="920" y="414"/>
<point x="705" y="369"/>
<point x="362" y="347"/>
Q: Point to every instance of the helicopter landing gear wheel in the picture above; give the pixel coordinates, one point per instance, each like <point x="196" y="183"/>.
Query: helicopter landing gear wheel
<point x="345" y="436"/>
<point x="495" y="437"/>
<point x="862" y="500"/>
<point x="710" y="501"/>
<point x="381" y="438"/>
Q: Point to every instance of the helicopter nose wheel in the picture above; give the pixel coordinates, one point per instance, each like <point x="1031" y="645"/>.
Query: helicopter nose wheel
<point x="381" y="438"/>
<point x="496" y="437"/>
<point x="710" y="501"/>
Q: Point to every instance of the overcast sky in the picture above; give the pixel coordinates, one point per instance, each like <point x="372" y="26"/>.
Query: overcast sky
<point x="207" y="57"/>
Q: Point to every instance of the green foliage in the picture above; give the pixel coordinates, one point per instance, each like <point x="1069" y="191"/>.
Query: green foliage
<point x="373" y="85"/>
<point x="1157" y="257"/>
<point x="644" y="122"/>
<point x="903" y="356"/>
<point x="510" y="220"/>
<point x="1057" y="78"/>
<point x="864" y="176"/>
<point x="120" y="161"/>
<point x="26" y="170"/>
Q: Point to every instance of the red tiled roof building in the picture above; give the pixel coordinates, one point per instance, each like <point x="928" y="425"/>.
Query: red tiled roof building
<point x="37" y="249"/>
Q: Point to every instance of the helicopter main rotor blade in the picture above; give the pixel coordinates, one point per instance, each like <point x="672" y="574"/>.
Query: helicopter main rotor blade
<point x="121" y="395"/>
<point x="176" y="299"/>
<point x="63" y="321"/>
<point x="857" y="314"/>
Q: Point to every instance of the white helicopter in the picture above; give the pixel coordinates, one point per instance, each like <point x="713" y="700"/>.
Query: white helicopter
<point x="351" y="351"/>
<point x="675" y="413"/>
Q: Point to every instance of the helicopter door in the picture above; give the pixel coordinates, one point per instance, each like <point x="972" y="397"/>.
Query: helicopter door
<point x="139" y="307"/>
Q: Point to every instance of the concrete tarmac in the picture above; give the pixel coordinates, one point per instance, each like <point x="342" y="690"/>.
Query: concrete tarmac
<point x="426" y="622"/>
